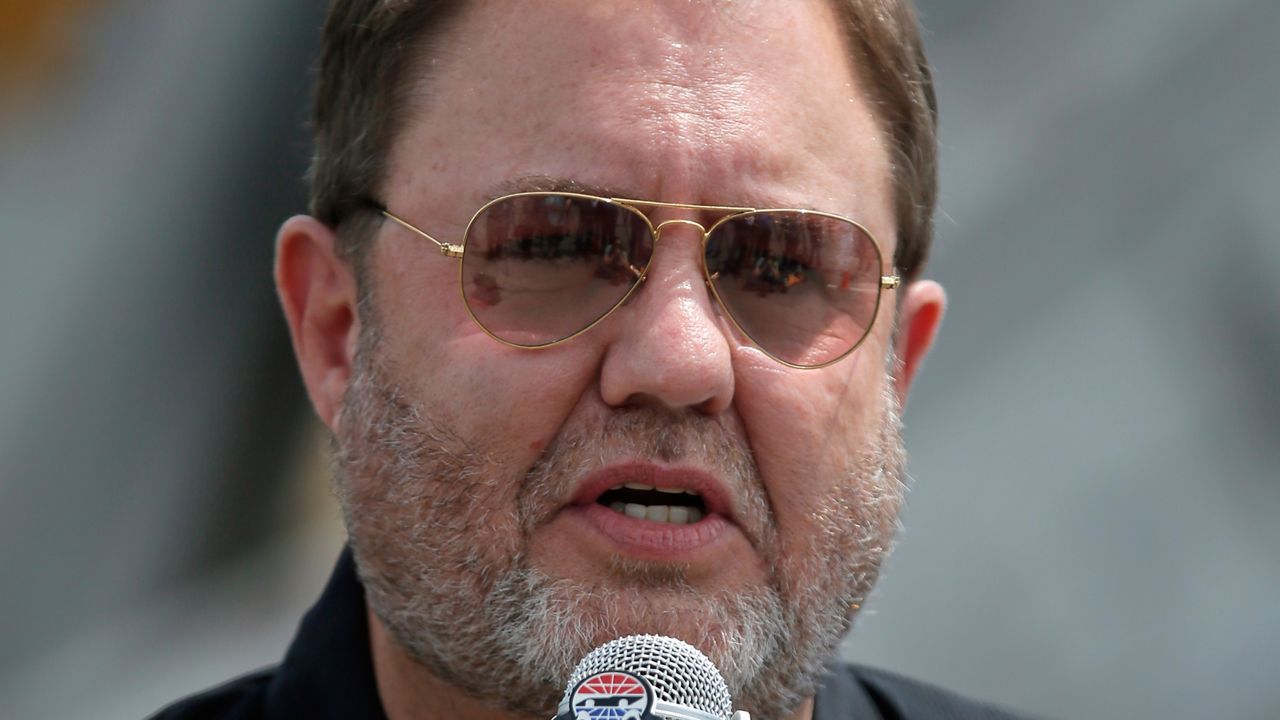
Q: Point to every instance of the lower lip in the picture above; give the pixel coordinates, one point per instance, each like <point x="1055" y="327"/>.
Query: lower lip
<point x="651" y="538"/>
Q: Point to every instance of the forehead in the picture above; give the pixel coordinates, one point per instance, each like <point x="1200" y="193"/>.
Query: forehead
<point x="745" y="102"/>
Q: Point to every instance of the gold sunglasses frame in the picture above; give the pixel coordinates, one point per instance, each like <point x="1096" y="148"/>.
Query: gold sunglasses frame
<point x="887" y="282"/>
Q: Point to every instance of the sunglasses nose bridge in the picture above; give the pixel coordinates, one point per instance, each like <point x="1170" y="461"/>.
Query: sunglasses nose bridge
<point x="702" y="230"/>
<point x="657" y="231"/>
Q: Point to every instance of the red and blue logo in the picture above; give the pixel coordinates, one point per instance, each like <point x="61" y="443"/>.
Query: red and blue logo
<point x="611" y="695"/>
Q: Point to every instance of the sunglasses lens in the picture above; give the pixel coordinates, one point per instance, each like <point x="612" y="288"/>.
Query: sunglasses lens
<point x="803" y="286"/>
<point x="539" y="268"/>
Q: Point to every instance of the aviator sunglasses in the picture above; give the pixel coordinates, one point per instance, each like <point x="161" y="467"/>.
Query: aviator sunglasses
<point x="540" y="268"/>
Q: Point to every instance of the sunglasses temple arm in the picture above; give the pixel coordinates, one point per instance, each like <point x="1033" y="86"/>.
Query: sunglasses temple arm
<point x="446" y="249"/>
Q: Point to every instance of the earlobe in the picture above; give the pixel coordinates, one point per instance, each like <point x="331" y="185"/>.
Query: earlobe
<point x="319" y="296"/>
<point x="920" y="316"/>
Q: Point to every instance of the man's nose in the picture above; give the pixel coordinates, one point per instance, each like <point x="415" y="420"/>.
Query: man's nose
<point x="671" y="347"/>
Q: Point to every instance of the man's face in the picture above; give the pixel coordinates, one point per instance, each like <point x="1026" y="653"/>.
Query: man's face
<point x="472" y="471"/>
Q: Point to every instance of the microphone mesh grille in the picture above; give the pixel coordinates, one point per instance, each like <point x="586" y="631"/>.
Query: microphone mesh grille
<point x="679" y="673"/>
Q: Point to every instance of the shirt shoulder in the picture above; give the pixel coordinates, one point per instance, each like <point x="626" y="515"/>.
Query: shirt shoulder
<point x="241" y="699"/>
<point x="895" y="697"/>
<point x="326" y="674"/>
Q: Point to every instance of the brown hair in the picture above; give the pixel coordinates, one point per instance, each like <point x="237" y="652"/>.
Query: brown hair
<point x="367" y="52"/>
<point x="369" y="48"/>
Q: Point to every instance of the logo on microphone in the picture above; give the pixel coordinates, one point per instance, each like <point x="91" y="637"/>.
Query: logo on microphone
<point x="611" y="695"/>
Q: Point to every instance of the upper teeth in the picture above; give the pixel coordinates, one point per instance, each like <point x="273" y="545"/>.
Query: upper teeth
<point x="676" y="514"/>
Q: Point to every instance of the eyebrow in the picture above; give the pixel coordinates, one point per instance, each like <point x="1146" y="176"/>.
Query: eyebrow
<point x="547" y="183"/>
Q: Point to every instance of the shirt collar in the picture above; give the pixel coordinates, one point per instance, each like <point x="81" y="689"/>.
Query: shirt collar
<point x="328" y="672"/>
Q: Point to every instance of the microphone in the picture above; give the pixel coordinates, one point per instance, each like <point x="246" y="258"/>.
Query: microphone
<point x="646" y="677"/>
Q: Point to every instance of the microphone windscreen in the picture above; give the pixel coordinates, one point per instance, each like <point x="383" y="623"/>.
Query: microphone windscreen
<point x="686" y="685"/>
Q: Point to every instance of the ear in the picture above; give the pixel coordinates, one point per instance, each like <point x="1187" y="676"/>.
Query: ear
<point x="318" y="292"/>
<point x="920" y="315"/>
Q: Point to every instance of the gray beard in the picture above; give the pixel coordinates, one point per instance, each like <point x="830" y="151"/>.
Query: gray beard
<point x="445" y="567"/>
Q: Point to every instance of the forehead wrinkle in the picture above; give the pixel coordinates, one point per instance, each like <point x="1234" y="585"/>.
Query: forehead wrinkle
<point x="709" y="112"/>
<point x="717" y="138"/>
<point x="700" y="129"/>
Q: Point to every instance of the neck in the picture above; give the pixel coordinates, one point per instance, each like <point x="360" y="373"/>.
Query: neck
<point x="409" y="692"/>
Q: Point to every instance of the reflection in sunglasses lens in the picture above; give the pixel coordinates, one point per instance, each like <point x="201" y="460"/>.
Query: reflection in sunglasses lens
<point x="539" y="268"/>
<point x="803" y="286"/>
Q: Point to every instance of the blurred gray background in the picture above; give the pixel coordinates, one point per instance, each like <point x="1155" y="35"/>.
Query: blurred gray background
<point x="1095" y="442"/>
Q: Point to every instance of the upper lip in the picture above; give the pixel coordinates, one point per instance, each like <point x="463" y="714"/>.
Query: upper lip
<point x="712" y="489"/>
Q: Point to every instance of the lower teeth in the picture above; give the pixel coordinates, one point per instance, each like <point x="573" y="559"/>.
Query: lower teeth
<point x="674" y="514"/>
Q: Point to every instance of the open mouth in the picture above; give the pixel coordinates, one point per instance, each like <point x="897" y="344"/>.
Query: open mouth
<point x="678" y="506"/>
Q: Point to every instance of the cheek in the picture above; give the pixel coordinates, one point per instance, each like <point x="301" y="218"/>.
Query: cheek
<point x="504" y="402"/>
<point x="508" y="401"/>
<point x="808" y="429"/>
